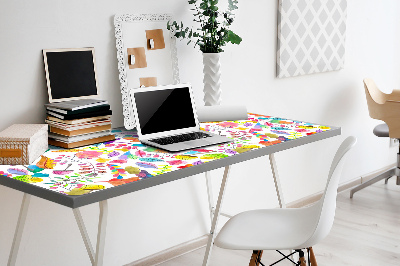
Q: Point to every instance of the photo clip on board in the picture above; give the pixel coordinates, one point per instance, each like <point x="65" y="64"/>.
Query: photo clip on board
<point x="131" y="59"/>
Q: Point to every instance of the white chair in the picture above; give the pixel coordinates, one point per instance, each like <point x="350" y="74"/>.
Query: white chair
<point x="287" y="229"/>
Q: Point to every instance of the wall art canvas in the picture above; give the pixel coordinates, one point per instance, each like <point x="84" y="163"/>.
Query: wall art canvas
<point x="311" y="36"/>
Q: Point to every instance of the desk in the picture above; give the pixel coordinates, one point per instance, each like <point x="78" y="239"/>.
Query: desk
<point x="96" y="173"/>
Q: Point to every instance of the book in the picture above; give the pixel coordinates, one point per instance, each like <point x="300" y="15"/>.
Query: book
<point x="79" y="116"/>
<point x="78" y="121"/>
<point x="69" y="127"/>
<point x="81" y="143"/>
<point x="79" y="137"/>
<point x="79" y="111"/>
<point x="77" y="104"/>
<point x="76" y="132"/>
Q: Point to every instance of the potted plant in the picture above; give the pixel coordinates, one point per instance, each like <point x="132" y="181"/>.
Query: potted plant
<point x="212" y="35"/>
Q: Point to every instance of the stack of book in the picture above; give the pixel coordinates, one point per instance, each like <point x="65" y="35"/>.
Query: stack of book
<point x="78" y="123"/>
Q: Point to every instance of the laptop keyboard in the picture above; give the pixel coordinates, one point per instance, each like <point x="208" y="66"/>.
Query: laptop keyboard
<point x="180" y="138"/>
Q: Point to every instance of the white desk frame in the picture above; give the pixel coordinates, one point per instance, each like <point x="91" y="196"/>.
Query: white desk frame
<point x="96" y="258"/>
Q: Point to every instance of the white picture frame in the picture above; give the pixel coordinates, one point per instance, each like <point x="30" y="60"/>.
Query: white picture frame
<point x="163" y="64"/>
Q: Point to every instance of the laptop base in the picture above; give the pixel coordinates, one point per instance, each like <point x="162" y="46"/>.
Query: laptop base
<point x="191" y="144"/>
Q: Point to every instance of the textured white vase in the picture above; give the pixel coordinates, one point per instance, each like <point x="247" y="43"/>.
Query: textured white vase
<point x="212" y="75"/>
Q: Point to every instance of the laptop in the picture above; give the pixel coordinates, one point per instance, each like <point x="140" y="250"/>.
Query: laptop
<point x="166" y="118"/>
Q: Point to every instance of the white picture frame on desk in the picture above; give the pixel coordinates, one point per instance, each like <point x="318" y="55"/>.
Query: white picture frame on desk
<point x="130" y="32"/>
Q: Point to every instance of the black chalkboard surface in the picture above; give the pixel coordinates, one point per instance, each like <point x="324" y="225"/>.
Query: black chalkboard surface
<point x="70" y="73"/>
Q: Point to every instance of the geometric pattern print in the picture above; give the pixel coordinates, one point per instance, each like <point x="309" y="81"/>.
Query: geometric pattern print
<point x="212" y="77"/>
<point x="311" y="36"/>
<point x="105" y="165"/>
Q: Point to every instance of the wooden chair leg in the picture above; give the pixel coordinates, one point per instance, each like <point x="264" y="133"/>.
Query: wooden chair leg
<point x="302" y="259"/>
<point x="313" y="260"/>
<point x="255" y="258"/>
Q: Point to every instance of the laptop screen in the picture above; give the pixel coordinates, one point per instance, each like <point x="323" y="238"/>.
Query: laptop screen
<point x="164" y="110"/>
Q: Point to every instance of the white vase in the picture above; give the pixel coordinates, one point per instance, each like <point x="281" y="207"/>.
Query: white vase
<point x="212" y="75"/>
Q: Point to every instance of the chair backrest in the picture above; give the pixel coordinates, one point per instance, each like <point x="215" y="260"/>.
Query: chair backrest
<point x="379" y="96"/>
<point x="327" y="203"/>
<point x="382" y="106"/>
<point x="373" y="98"/>
<point x="376" y="99"/>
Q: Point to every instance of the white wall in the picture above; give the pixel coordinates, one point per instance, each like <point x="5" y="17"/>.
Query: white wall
<point x="146" y="222"/>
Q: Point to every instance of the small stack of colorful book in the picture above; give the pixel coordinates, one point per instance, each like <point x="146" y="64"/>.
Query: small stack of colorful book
<point x="79" y="123"/>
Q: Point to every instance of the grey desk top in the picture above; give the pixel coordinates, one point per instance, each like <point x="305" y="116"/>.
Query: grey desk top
<point x="100" y="195"/>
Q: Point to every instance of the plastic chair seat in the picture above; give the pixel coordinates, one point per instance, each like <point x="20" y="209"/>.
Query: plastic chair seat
<point x="275" y="229"/>
<point x="269" y="229"/>
<point x="381" y="130"/>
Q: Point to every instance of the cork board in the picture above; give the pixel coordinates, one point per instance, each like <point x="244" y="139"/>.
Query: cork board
<point x="136" y="57"/>
<point x="148" y="82"/>
<point x="155" y="39"/>
<point x="134" y="31"/>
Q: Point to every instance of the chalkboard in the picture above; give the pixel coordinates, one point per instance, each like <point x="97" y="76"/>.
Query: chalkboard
<point x="70" y="74"/>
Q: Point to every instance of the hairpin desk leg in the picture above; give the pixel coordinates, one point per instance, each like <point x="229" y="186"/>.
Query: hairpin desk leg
<point x="215" y="217"/>
<point x="95" y="258"/>
<point x="101" y="233"/>
<point x="19" y="230"/>
<point x="85" y="236"/>
<point x="210" y="194"/>
<point x="277" y="181"/>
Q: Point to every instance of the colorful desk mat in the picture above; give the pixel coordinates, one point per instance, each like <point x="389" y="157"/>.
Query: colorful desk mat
<point x="125" y="160"/>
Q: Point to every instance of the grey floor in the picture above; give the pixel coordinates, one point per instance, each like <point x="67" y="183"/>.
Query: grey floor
<point x="366" y="232"/>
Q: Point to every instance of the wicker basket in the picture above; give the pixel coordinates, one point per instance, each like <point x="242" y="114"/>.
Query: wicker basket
<point x="22" y="143"/>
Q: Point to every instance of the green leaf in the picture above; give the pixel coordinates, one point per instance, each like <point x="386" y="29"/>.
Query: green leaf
<point x="203" y="6"/>
<point x="232" y="5"/>
<point x="212" y="34"/>
<point x="233" y="38"/>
